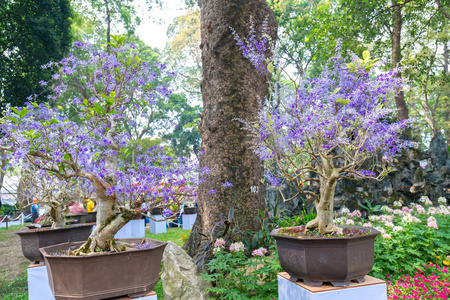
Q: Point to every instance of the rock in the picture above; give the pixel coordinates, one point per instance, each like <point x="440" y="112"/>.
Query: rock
<point x="447" y="166"/>
<point x="438" y="150"/>
<point x="180" y="276"/>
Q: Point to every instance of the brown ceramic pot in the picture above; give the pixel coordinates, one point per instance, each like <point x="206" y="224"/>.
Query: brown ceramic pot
<point x="335" y="260"/>
<point x="190" y="210"/>
<point x="34" y="239"/>
<point x="156" y="211"/>
<point x="91" y="217"/>
<point x="104" y="275"/>
<point x="76" y="219"/>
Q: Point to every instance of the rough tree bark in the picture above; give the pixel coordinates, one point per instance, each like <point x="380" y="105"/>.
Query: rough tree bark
<point x="231" y="88"/>
<point x="402" y="108"/>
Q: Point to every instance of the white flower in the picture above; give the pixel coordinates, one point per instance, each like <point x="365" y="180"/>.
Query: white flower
<point x="374" y="218"/>
<point x="367" y="225"/>
<point x="442" y="200"/>
<point x="397" y="228"/>
<point x="386" y="236"/>
<point x="350" y="222"/>
<point x="345" y="211"/>
<point x="397" y="204"/>
<point x="380" y="229"/>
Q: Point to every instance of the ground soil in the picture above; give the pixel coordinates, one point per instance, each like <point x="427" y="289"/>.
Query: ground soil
<point x="12" y="262"/>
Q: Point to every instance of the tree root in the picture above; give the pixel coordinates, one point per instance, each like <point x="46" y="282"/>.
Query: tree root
<point x="315" y="224"/>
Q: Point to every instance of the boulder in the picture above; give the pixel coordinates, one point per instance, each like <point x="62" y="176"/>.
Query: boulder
<point x="447" y="166"/>
<point x="438" y="150"/>
<point x="180" y="277"/>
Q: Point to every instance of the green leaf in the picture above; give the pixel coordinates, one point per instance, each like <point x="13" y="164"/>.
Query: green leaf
<point x="15" y="110"/>
<point x="366" y="55"/>
<point x="343" y="101"/>
<point x="67" y="156"/>
<point x="23" y="113"/>
<point x="270" y="67"/>
<point x="14" y="120"/>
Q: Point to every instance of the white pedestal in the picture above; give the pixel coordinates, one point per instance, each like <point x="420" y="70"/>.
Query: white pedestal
<point x="158" y="227"/>
<point x="372" y="289"/>
<point x="38" y="288"/>
<point x="133" y="229"/>
<point x="188" y="221"/>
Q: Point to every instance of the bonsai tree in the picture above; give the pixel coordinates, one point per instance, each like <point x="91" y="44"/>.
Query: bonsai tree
<point x="95" y="146"/>
<point x="329" y="129"/>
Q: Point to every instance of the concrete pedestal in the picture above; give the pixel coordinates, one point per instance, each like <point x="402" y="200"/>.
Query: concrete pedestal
<point x="133" y="229"/>
<point x="188" y="221"/>
<point x="38" y="288"/>
<point x="158" y="227"/>
<point x="372" y="289"/>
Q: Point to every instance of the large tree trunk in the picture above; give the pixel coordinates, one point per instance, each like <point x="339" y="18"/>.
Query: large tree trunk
<point x="402" y="108"/>
<point x="231" y="88"/>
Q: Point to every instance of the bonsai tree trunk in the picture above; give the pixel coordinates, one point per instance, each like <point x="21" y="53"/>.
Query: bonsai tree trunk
<point x="231" y="88"/>
<point x="325" y="202"/>
<point x="57" y="215"/>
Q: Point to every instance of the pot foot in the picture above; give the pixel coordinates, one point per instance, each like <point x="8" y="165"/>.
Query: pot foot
<point x="138" y="295"/>
<point x="340" y="283"/>
<point x="313" y="283"/>
<point x="360" y="280"/>
<point x="293" y="279"/>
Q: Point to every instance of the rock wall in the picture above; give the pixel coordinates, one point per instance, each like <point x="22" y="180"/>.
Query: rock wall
<point x="408" y="182"/>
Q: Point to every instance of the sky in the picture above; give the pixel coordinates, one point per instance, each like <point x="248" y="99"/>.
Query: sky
<point x="154" y="23"/>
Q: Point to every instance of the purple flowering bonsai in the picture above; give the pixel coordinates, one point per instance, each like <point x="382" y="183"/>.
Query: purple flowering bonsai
<point x="94" y="147"/>
<point x="327" y="130"/>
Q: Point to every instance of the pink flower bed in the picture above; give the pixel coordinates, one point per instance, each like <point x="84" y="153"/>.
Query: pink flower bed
<point x="432" y="283"/>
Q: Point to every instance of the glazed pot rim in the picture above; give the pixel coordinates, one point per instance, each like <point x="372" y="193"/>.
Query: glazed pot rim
<point x="374" y="233"/>
<point x="99" y="254"/>
<point x="46" y="229"/>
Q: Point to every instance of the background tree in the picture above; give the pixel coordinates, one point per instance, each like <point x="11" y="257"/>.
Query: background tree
<point x="32" y="33"/>
<point x="231" y="88"/>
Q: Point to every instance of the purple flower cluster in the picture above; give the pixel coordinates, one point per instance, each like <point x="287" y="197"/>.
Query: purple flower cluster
<point x="334" y="122"/>
<point x="119" y="91"/>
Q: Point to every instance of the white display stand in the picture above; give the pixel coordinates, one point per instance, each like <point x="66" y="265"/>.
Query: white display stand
<point x="188" y="221"/>
<point x="158" y="227"/>
<point x="39" y="289"/>
<point x="133" y="229"/>
<point x="372" y="289"/>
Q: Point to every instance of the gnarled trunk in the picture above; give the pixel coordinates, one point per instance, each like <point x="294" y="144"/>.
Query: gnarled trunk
<point x="57" y="215"/>
<point x="324" y="207"/>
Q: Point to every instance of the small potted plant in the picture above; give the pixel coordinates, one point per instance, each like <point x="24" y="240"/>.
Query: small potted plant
<point x="337" y="126"/>
<point x="53" y="194"/>
<point x="118" y="90"/>
<point x="189" y="207"/>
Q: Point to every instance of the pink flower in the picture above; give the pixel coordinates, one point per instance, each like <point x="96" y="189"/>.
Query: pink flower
<point x="220" y="243"/>
<point x="259" y="252"/>
<point x="237" y="247"/>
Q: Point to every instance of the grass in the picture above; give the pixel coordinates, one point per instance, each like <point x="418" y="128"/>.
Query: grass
<point x="6" y="233"/>
<point x="174" y="234"/>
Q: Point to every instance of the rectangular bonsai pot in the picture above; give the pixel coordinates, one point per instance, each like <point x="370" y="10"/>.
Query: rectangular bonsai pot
<point x="103" y="275"/>
<point x="34" y="239"/>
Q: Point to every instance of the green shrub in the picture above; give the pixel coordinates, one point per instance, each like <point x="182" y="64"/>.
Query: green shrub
<point x="237" y="276"/>
<point x="411" y="237"/>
